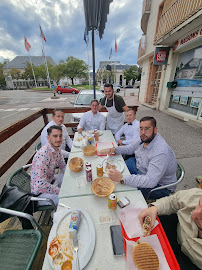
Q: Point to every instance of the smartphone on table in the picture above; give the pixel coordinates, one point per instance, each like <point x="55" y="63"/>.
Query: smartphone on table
<point x="117" y="240"/>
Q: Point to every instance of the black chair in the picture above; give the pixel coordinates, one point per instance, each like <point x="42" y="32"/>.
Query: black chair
<point x="21" y="179"/>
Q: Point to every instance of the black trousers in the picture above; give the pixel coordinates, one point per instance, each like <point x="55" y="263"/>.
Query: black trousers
<point x="169" y="224"/>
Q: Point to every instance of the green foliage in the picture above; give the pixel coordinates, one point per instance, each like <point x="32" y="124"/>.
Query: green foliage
<point x="2" y="79"/>
<point x="72" y="68"/>
<point x="131" y="74"/>
<point x="15" y="73"/>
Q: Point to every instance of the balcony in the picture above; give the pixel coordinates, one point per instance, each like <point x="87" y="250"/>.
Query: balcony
<point x="142" y="46"/>
<point x="173" y="13"/>
<point x="146" y="7"/>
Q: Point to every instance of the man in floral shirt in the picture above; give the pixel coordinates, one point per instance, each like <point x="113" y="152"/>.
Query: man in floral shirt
<point x="48" y="166"/>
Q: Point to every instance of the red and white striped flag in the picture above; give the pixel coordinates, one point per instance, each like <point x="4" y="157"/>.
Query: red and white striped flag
<point x="27" y="45"/>
<point x="115" y="45"/>
<point x="42" y="34"/>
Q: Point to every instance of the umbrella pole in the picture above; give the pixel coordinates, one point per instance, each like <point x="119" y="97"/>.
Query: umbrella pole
<point x="93" y="49"/>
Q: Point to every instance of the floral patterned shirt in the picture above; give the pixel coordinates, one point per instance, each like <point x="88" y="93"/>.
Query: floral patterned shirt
<point x="44" y="164"/>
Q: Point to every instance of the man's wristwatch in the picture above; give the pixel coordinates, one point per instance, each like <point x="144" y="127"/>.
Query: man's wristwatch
<point x="122" y="181"/>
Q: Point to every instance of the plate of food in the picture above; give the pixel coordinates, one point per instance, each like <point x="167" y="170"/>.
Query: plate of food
<point x="60" y="248"/>
<point x="79" y="141"/>
<point x="76" y="164"/>
<point x="112" y="163"/>
<point x="86" y="132"/>
<point x="102" y="187"/>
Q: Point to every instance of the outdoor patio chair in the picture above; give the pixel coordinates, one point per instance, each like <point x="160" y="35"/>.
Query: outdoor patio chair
<point x="38" y="146"/>
<point x="180" y="175"/>
<point x="18" y="248"/>
<point x="21" y="179"/>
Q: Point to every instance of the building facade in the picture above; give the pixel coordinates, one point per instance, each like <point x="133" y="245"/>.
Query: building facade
<point x="20" y="63"/>
<point x="170" y="54"/>
<point x="118" y="71"/>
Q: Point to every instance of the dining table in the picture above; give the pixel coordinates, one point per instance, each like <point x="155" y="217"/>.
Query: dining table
<point x="73" y="196"/>
<point x="103" y="257"/>
<point x="70" y="187"/>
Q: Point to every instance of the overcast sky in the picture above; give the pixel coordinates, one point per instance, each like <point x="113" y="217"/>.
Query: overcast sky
<point x="63" y="24"/>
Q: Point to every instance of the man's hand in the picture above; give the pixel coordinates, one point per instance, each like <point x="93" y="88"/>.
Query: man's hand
<point x="152" y="212"/>
<point x="80" y="130"/>
<point x="120" y="142"/>
<point x="115" y="175"/>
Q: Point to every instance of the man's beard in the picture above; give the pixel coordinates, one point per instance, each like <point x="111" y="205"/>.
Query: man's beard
<point x="149" y="139"/>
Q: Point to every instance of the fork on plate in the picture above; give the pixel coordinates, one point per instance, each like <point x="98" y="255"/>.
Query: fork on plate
<point x="76" y="248"/>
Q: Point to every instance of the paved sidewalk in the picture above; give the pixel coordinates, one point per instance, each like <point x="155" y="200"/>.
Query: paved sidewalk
<point x="185" y="140"/>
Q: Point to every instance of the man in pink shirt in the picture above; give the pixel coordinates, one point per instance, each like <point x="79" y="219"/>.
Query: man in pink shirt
<point x="48" y="166"/>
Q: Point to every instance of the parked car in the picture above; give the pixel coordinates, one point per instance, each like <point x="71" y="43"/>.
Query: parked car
<point x="66" y="89"/>
<point x="83" y="100"/>
<point x="129" y="86"/>
<point x="116" y="88"/>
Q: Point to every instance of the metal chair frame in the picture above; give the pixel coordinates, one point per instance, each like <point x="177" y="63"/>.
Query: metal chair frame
<point x="11" y="241"/>
<point x="180" y="175"/>
<point x="24" y="184"/>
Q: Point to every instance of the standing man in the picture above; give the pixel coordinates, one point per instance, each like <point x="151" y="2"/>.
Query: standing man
<point x="154" y="164"/>
<point x="130" y="130"/>
<point x="58" y="119"/>
<point x="48" y="166"/>
<point x="115" y="106"/>
<point x="92" y="119"/>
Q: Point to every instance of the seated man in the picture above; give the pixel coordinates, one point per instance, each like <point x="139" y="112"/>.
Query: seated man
<point x="58" y="119"/>
<point x="48" y="166"/>
<point x="187" y="204"/>
<point x="154" y="164"/>
<point x="92" y="119"/>
<point x="130" y="130"/>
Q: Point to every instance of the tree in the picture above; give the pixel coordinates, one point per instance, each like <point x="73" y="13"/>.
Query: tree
<point x="15" y="73"/>
<point x="73" y="68"/>
<point x="2" y="78"/>
<point x="131" y="73"/>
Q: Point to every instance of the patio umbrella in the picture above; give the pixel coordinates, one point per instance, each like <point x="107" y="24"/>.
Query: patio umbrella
<point x="96" y="17"/>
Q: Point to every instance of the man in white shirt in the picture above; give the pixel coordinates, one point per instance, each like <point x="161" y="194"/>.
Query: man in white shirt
<point x="58" y="120"/>
<point x="130" y="130"/>
<point x="92" y="119"/>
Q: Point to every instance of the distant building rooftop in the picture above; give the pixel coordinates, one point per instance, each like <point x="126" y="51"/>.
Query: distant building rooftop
<point x="20" y="62"/>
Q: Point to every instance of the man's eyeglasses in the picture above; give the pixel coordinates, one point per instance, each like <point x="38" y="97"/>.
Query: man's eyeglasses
<point x="144" y="129"/>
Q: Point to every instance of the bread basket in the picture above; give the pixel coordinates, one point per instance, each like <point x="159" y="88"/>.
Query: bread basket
<point x="89" y="150"/>
<point x="102" y="187"/>
<point x="76" y="164"/>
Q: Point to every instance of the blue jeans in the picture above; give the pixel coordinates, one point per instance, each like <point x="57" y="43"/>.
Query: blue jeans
<point x="131" y="164"/>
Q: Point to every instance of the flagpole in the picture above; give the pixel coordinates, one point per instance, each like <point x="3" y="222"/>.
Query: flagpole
<point x="32" y="69"/>
<point x="88" y="68"/>
<point x="48" y="77"/>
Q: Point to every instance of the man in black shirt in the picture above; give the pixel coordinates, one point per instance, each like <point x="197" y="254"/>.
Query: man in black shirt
<point x="115" y="106"/>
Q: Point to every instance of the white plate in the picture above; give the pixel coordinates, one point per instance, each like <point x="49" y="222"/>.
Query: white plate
<point x="78" y="143"/>
<point x="86" y="238"/>
<point x="113" y="161"/>
<point x="91" y="131"/>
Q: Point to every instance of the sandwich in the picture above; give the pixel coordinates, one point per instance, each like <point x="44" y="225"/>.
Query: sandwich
<point x="145" y="257"/>
<point x="147" y="226"/>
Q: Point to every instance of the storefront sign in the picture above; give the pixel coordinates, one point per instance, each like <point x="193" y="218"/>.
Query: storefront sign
<point x="188" y="38"/>
<point x="161" y="56"/>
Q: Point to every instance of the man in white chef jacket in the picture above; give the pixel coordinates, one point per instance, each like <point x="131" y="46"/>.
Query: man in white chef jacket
<point x="92" y="119"/>
<point x="115" y="106"/>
